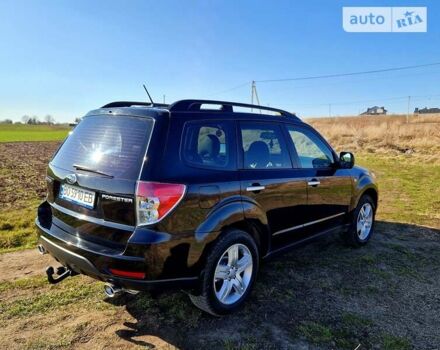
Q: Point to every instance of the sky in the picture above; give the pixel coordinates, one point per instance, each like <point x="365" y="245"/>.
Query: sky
<point x="65" y="58"/>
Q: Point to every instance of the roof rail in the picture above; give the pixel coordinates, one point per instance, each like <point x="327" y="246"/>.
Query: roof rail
<point x="117" y="104"/>
<point x="195" y="105"/>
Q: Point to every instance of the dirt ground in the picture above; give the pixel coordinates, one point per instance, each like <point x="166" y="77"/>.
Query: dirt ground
<point x="22" y="171"/>
<point x="26" y="263"/>
<point x="322" y="296"/>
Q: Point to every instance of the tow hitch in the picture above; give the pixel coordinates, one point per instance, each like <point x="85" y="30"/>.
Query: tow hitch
<point x="62" y="273"/>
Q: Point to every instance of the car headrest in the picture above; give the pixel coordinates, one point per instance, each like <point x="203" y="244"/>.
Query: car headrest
<point x="209" y="147"/>
<point x="258" y="155"/>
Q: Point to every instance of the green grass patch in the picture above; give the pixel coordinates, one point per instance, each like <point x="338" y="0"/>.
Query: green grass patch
<point x="54" y="297"/>
<point x="247" y="342"/>
<point x="345" y="333"/>
<point x="178" y="308"/>
<point x="384" y="275"/>
<point x="391" y="342"/>
<point x="24" y="132"/>
<point x="409" y="190"/>
<point x="17" y="229"/>
<point x="350" y="320"/>
<point x="368" y="259"/>
<point x="315" y="332"/>
<point x="24" y="283"/>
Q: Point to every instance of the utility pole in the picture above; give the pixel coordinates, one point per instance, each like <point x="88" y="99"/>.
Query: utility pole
<point x="254" y="93"/>
<point x="407" y="111"/>
<point x="256" y="96"/>
<point x="163" y="99"/>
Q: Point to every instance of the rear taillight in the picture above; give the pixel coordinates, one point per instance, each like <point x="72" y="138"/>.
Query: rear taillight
<point x="155" y="200"/>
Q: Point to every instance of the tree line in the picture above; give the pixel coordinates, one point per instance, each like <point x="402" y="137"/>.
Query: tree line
<point x="32" y="120"/>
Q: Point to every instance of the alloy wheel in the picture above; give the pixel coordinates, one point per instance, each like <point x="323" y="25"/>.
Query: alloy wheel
<point x="233" y="274"/>
<point x="364" y="221"/>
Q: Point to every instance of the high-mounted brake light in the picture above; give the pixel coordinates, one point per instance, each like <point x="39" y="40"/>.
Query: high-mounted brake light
<point x="154" y="200"/>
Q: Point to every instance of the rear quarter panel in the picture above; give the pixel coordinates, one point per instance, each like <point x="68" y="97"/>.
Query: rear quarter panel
<point x="211" y="201"/>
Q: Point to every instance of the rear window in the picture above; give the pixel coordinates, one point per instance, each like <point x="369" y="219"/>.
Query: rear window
<point x="114" y="145"/>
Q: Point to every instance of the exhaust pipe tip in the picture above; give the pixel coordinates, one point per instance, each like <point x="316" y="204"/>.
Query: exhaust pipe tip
<point x="41" y="249"/>
<point x="111" y="290"/>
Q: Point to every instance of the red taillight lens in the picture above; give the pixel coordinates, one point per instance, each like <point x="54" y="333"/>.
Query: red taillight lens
<point x="155" y="200"/>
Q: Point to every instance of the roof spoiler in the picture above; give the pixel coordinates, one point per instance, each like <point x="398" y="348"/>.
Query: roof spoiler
<point x="117" y="104"/>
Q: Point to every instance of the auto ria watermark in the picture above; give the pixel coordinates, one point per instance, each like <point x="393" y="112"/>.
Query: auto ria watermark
<point x="385" y="19"/>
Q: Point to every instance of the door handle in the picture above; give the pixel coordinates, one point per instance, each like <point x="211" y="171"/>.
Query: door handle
<point x="255" y="188"/>
<point x="313" y="183"/>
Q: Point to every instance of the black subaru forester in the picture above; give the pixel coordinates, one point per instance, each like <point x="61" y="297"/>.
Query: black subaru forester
<point x="195" y="193"/>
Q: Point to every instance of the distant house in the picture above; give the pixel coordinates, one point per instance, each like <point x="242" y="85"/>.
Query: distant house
<point x="376" y="110"/>
<point x="426" y="110"/>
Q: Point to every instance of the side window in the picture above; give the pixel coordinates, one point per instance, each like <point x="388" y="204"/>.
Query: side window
<point x="205" y="144"/>
<point x="264" y="146"/>
<point x="312" y="152"/>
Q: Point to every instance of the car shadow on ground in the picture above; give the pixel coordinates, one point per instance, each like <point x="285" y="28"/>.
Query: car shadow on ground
<point x="322" y="295"/>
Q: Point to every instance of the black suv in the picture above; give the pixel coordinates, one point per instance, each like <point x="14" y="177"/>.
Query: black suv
<point x="195" y="193"/>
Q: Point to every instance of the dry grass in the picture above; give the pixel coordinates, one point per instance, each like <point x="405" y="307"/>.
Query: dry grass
<point x="384" y="134"/>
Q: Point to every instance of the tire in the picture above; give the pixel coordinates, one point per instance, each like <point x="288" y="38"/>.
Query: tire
<point x="218" y="278"/>
<point x="359" y="234"/>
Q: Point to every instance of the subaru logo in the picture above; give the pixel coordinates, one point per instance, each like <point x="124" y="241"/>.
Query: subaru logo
<point x="71" y="179"/>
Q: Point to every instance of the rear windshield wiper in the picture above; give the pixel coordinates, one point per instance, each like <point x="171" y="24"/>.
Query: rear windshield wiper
<point x="84" y="168"/>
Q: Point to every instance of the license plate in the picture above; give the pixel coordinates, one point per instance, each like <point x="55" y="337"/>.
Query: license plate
<point x="77" y="195"/>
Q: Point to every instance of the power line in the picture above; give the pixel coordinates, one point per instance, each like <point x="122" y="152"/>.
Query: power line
<point x="349" y="74"/>
<point x="231" y="89"/>
<point x="327" y="76"/>
<point x="363" y="79"/>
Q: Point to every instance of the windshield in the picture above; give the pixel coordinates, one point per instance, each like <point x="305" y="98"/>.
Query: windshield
<point x="112" y="145"/>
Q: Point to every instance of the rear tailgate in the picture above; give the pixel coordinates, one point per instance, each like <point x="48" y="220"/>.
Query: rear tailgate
<point x="92" y="178"/>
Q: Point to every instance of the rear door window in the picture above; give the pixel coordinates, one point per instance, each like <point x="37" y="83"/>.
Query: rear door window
<point x="207" y="144"/>
<point x="113" y="145"/>
<point x="264" y="146"/>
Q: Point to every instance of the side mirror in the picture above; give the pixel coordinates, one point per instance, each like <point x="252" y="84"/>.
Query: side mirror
<point x="346" y="160"/>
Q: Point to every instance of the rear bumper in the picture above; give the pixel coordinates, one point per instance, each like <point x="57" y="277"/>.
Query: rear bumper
<point x="94" y="260"/>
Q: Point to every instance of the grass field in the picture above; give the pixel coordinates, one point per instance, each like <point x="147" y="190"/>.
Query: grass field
<point x="322" y="296"/>
<point x="418" y="138"/>
<point x="20" y="132"/>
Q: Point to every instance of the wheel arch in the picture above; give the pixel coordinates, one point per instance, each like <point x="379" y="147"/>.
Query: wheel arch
<point x="240" y="214"/>
<point x="369" y="190"/>
<point x="256" y="229"/>
<point x="372" y="192"/>
<point x="364" y="184"/>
